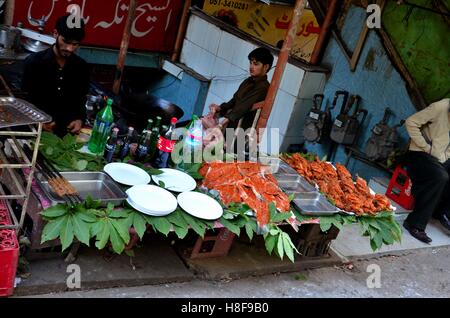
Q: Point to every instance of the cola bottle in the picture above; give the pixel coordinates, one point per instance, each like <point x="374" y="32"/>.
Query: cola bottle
<point x="110" y="147"/>
<point x="128" y="140"/>
<point x="164" y="147"/>
<point x="142" y="149"/>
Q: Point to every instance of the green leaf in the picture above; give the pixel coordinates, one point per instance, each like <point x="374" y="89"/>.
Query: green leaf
<point x="96" y="228"/>
<point x="118" y="214"/>
<point x="291" y="197"/>
<point x="66" y="236"/>
<point x="250" y="227"/>
<point x="287" y="243"/>
<point x="230" y="226"/>
<point x="180" y="231"/>
<point x="103" y="234"/>
<point x="160" y="224"/>
<point x="153" y="172"/>
<point x="279" y="217"/>
<point x="325" y="224"/>
<point x="121" y="230"/>
<point x="91" y="203"/>
<point x="52" y="229"/>
<point x="280" y="245"/>
<point x="81" y="165"/>
<point x="377" y="242"/>
<point x="55" y="211"/>
<point x="69" y="140"/>
<point x="177" y="219"/>
<point x="128" y="221"/>
<point x="130" y="253"/>
<point x="139" y="224"/>
<point x="81" y="229"/>
<point x="270" y="242"/>
<point x="272" y="210"/>
<point x="161" y="184"/>
<point x="195" y="224"/>
<point x="117" y="243"/>
<point x="274" y="231"/>
<point x="227" y="215"/>
<point x="87" y="216"/>
<point x="110" y="209"/>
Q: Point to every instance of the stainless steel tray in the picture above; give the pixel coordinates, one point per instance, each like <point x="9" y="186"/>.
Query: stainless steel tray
<point x="314" y="204"/>
<point x="294" y="183"/>
<point x="98" y="185"/>
<point x="18" y="112"/>
<point x="277" y="166"/>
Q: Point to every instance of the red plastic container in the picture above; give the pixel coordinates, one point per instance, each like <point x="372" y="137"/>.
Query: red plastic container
<point x="399" y="189"/>
<point x="9" y="254"/>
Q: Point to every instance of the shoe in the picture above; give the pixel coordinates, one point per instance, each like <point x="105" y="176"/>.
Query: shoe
<point x="418" y="234"/>
<point x="445" y="221"/>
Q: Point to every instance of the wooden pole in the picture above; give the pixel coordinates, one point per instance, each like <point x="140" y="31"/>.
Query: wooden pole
<point x="124" y="46"/>
<point x="181" y="32"/>
<point x="9" y="12"/>
<point x="325" y="31"/>
<point x="280" y="67"/>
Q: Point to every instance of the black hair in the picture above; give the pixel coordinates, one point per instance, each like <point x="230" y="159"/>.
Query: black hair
<point x="68" y="28"/>
<point x="262" y="55"/>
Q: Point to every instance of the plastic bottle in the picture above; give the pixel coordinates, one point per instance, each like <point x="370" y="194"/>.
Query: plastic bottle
<point x="111" y="144"/>
<point x="101" y="129"/>
<point x="128" y="140"/>
<point x="192" y="143"/>
<point x="164" y="147"/>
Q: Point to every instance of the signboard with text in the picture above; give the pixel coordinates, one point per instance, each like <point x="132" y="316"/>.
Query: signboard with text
<point x="154" y="27"/>
<point x="268" y="23"/>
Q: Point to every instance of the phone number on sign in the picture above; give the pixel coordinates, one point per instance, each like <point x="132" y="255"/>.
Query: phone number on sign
<point x="230" y="4"/>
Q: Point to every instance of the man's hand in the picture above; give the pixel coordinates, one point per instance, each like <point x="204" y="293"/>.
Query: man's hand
<point x="214" y="109"/>
<point x="75" y="126"/>
<point x="49" y="127"/>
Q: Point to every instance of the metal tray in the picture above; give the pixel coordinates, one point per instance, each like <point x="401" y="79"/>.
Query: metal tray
<point x="314" y="204"/>
<point x="18" y="112"/>
<point x="294" y="183"/>
<point x="277" y="166"/>
<point x="98" y="185"/>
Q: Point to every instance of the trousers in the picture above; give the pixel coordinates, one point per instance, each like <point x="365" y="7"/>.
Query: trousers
<point x="430" y="188"/>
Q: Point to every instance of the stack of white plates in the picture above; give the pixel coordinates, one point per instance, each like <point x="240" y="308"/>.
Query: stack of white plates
<point x="151" y="200"/>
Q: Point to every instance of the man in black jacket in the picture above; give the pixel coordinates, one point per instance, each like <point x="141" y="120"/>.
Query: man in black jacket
<point x="57" y="80"/>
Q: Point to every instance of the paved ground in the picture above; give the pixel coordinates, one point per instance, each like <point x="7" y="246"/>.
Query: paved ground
<point x="417" y="273"/>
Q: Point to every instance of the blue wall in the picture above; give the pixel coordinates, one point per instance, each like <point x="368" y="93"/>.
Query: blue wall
<point x="189" y="93"/>
<point x="375" y="80"/>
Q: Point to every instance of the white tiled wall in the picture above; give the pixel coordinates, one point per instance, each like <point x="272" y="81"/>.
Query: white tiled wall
<point x="222" y="57"/>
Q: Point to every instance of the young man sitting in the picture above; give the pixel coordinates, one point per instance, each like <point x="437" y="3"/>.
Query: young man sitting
<point x="251" y="91"/>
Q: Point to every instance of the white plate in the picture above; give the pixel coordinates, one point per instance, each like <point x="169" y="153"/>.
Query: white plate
<point x="175" y="180"/>
<point x="151" y="199"/>
<point x="200" y="205"/>
<point x="127" y="174"/>
<point x="145" y="211"/>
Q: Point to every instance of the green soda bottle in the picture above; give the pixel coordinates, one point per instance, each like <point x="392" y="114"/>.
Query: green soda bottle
<point x="158" y="123"/>
<point x="102" y="128"/>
